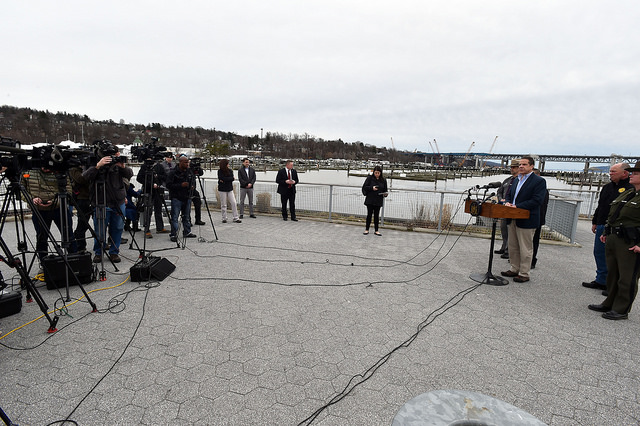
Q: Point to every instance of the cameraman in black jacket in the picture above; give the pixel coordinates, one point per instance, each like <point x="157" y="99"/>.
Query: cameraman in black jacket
<point x="181" y="183"/>
<point x="152" y="177"/>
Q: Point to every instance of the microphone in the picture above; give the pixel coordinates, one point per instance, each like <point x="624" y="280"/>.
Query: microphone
<point x="491" y="185"/>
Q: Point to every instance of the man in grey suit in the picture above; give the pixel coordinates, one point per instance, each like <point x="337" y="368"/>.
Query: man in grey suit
<point x="247" y="178"/>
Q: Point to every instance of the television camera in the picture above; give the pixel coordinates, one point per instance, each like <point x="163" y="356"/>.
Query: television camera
<point x="105" y="148"/>
<point x="150" y="152"/>
<point x="195" y="164"/>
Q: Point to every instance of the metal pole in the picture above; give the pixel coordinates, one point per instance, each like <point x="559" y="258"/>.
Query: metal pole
<point x="330" y="200"/>
<point x="574" y="226"/>
<point x="441" y="210"/>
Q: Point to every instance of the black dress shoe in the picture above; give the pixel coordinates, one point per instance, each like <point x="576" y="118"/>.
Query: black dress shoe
<point x="499" y="251"/>
<point x="294" y="219"/>
<point x="199" y="222"/>
<point x="595" y="284"/>
<point x="613" y="315"/>
<point x="252" y="216"/>
<point x="509" y="274"/>
<point x="504" y="255"/>
<point x="599" y="308"/>
<point x="605" y="293"/>
<point x="520" y="279"/>
<point x="284" y="218"/>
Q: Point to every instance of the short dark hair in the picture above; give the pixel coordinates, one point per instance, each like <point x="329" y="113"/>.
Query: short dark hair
<point x="529" y="159"/>
<point x="244" y="159"/>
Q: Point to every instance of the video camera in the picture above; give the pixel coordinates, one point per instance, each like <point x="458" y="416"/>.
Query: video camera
<point x="195" y="164"/>
<point x="150" y="152"/>
<point x="105" y="148"/>
<point x="59" y="158"/>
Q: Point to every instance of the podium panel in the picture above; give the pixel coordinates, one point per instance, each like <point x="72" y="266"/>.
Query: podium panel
<point x="495" y="212"/>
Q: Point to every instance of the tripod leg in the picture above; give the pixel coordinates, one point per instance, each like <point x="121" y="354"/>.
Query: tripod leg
<point x="206" y="204"/>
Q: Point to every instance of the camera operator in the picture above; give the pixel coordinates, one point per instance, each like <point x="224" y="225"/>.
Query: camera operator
<point x="153" y="187"/>
<point x="111" y="171"/>
<point x="80" y="187"/>
<point x="181" y="183"/>
<point x="194" y="164"/>
<point x="42" y="186"/>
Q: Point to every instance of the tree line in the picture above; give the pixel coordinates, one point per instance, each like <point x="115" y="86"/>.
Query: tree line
<point x="30" y="126"/>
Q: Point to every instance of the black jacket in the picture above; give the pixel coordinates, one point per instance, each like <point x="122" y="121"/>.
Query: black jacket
<point x="246" y="179"/>
<point x="174" y="183"/>
<point x="373" y="197"/>
<point x="114" y="187"/>
<point x="225" y="182"/>
<point x="609" y="192"/>
<point x="158" y="177"/>
<point x="281" y="180"/>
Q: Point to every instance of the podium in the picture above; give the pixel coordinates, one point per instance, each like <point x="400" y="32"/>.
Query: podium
<point x="494" y="212"/>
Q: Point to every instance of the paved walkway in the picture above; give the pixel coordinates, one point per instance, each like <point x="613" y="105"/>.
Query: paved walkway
<point x="276" y="320"/>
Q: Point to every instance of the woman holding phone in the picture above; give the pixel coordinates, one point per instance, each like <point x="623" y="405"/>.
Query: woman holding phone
<point x="374" y="190"/>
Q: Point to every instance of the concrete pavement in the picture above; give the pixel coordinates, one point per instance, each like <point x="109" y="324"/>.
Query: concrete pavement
<point x="275" y="320"/>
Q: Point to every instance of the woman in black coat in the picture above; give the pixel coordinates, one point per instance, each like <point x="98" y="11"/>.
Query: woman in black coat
<point x="374" y="190"/>
<point x="225" y="189"/>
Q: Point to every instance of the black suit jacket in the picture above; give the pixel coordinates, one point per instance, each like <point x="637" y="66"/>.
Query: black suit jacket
<point x="281" y="178"/>
<point x="244" y="179"/>
<point x="531" y="197"/>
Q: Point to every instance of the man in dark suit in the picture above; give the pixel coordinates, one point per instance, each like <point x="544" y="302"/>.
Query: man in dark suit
<point x="527" y="192"/>
<point x="287" y="179"/>
<point x="247" y="178"/>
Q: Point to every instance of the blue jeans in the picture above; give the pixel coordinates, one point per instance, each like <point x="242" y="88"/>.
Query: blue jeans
<point x="180" y="207"/>
<point x="115" y="223"/>
<point x="601" y="260"/>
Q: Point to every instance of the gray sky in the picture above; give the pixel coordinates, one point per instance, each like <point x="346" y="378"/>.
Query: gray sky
<point x="547" y="77"/>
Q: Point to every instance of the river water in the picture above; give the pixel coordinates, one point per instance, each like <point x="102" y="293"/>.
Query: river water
<point x="341" y="177"/>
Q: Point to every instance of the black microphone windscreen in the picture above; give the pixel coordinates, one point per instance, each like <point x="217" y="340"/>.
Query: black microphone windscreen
<point x="494" y="185"/>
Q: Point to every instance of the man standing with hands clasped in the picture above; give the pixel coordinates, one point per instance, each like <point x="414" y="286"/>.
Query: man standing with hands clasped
<point x="527" y="192"/>
<point x="287" y="179"/>
<point x="247" y="178"/>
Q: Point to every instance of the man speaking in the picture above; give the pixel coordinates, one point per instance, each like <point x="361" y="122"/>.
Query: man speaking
<point x="527" y="192"/>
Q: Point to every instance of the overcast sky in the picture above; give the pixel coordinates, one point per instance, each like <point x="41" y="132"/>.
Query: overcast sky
<point x="547" y="77"/>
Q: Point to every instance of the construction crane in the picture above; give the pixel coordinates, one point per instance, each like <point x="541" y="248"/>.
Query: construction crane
<point x="438" y="159"/>
<point x="493" y="145"/>
<point x="467" y="154"/>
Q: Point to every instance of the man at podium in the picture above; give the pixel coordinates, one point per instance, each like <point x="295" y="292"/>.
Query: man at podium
<point x="527" y="192"/>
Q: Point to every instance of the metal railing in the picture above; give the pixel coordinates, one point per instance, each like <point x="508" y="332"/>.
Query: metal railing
<point x="437" y="209"/>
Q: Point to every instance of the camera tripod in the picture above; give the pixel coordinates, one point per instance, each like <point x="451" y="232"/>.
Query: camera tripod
<point x="206" y="204"/>
<point x="16" y="192"/>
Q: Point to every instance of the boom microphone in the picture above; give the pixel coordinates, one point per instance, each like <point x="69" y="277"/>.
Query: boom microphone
<point x="492" y="185"/>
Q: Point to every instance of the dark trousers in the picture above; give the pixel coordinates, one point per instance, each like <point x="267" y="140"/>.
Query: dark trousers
<point x="375" y="211"/>
<point x="49" y="216"/>
<point x="291" y="197"/>
<point x="622" y="277"/>
<point x="504" y="231"/>
<point x="157" y="197"/>
<point x="84" y="211"/>
<point x="536" y="244"/>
